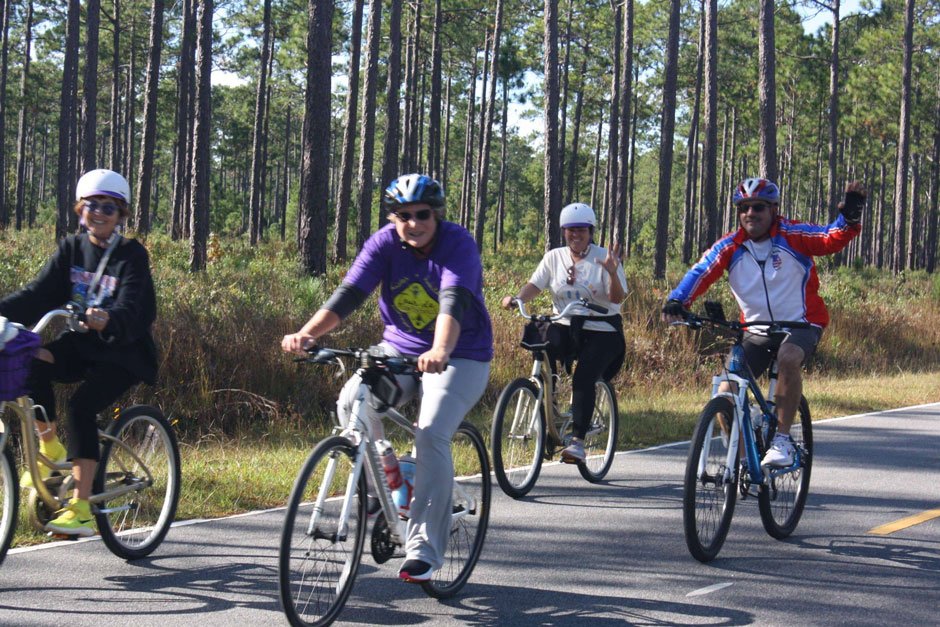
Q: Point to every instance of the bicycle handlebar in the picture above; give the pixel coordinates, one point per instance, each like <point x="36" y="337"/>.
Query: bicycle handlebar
<point x="697" y="321"/>
<point x="365" y="357"/>
<point x="582" y="302"/>
<point x="70" y="311"/>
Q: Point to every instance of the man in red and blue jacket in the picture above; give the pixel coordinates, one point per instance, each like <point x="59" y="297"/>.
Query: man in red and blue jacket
<point x="772" y="274"/>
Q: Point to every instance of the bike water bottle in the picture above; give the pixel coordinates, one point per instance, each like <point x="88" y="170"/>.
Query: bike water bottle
<point x="389" y="464"/>
<point x="402" y="496"/>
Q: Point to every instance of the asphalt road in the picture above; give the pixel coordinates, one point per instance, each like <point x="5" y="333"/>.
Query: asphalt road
<point x="570" y="553"/>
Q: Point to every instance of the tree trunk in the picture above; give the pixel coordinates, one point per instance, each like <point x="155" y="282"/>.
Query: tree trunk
<point x="66" y="165"/>
<point x="434" y="103"/>
<point x="833" y="110"/>
<point x="257" y="134"/>
<point x="767" y="93"/>
<point x="613" y="131"/>
<point x="626" y="98"/>
<point x="572" y="161"/>
<point x="503" y="170"/>
<point x="933" y="214"/>
<point x="710" y="147"/>
<point x="348" y="159"/>
<point x="4" y="48"/>
<point x="199" y="213"/>
<point x="182" y="151"/>
<point x="367" y="139"/>
<point x="484" y="171"/>
<point x="552" y="163"/>
<point x="90" y="85"/>
<point x="315" y="191"/>
<point x="904" y="131"/>
<point x="466" y="181"/>
<point x="114" y="149"/>
<point x="392" y="86"/>
<point x="130" y="106"/>
<point x="688" y="221"/>
<point x="149" y="140"/>
<point x="667" y="130"/>
<point x="22" y="130"/>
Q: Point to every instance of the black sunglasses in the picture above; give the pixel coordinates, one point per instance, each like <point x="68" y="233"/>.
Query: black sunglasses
<point x="107" y="208"/>
<point x="757" y="207"/>
<point x="570" y="279"/>
<point x="421" y="215"/>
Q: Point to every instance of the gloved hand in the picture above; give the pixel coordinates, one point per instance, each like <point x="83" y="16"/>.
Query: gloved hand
<point x="853" y="203"/>
<point x="674" y="308"/>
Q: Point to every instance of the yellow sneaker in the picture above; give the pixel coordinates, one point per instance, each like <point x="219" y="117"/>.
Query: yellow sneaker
<point x="55" y="452"/>
<point x="73" y="520"/>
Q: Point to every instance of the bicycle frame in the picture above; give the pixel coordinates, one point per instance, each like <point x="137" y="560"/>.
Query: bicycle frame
<point x="359" y="431"/>
<point x="25" y="410"/>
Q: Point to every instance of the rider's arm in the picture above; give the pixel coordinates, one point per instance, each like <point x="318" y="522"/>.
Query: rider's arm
<point x="446" y="334"/>
<point x="47" y="291"/>
<point x="617" y="290"/>
<point x="708" y="270"/>
<point x="817" y="239"/>
<point x="527" y="293"/>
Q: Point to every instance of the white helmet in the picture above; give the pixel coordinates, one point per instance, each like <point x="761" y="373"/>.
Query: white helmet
<point x="103" y="183"/>
<point x="577" y="214"/>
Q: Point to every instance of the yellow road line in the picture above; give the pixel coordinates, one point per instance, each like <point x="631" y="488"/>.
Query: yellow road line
<point x="904" y="523"/>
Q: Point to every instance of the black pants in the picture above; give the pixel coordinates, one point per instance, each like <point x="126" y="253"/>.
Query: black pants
<point x="600" y="355"/>
<point x="101" y="385"/>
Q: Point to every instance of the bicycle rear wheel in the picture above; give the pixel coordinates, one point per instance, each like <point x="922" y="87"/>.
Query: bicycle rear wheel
<point x="9" y="500"/>
<point x="145" y="457"/>
<point x="471" y="514"/>
<point x="600" y="442"/>
<point x="710" y="487"/>
<point x="319" y="555"/>
<point x="518" y="437"/>
<point x="782" y="498"/>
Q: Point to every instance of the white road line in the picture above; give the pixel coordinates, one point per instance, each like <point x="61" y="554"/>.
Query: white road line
<point x="709" y="589"/>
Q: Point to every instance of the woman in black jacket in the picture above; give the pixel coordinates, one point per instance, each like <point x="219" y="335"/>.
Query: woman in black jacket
<point x="108" y="277"/>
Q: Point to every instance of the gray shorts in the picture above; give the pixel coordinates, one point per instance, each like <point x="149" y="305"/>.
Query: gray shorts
<point x="760" y="350"/>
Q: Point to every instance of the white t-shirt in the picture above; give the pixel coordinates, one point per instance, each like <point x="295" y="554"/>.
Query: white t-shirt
<point x="591" y="281"/>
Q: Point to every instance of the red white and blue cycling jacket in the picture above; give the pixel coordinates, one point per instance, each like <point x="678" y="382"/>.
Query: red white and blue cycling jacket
<point x="785" y="286"/>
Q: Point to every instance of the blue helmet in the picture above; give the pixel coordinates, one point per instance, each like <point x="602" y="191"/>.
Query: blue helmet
<point x="410" y="189"/>
<point x="757" y="189"/>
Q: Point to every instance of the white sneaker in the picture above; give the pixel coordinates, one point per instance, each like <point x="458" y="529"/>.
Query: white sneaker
<point x="574" y="452"/>
<point x="781" y="452"/>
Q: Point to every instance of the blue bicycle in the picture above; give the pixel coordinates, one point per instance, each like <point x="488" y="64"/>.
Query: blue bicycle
<point x="717" y="470"/>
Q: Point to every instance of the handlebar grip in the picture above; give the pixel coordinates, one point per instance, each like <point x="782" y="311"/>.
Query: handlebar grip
<point x="597" y="308"/>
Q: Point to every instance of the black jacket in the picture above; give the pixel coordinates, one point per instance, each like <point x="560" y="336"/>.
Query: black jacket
<point x="128" y="297"/>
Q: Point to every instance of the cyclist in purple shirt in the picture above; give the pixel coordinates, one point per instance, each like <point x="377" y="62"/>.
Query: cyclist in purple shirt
<point x="431" y="303"/>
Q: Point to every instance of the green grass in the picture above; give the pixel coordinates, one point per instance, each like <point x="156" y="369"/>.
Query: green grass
<point x="247" y="416"/>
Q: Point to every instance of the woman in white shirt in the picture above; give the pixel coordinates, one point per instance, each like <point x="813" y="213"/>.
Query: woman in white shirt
<point x="582" y="269"/>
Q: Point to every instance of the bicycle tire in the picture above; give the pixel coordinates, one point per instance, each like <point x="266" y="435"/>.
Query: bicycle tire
<point x="782" y="499"/>
<point x="708" y="500"/>
<point x="471" y="515"/>
<point x="134" y="524"/>
<point x="333" y="560"/>
<point x="600" y="442"/>
<point x="518" y="437"/>
<point x="10" y="504"/>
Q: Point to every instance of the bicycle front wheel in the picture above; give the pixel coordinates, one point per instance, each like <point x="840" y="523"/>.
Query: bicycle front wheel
<point x="9" y="500"/>
<point x="140" y="466"/>
<point x="600" y="442"/>
<point x="518" y="438"/>
<point x="782" y="498"/>
<point x="321" y="545"/>
<point x="471" y="514"/>
<point x="710" y="490"/>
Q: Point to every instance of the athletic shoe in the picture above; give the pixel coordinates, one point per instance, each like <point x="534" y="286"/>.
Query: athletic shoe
<point x="73" y="520"/>
<point x="415" y="571"/>
<point x="781" y="452"/>
<point x="54" y="452"/>
<point x="574" y="452"/>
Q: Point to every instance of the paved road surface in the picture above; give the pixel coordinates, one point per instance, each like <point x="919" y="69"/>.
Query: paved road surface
<point x="571" y="553"/>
